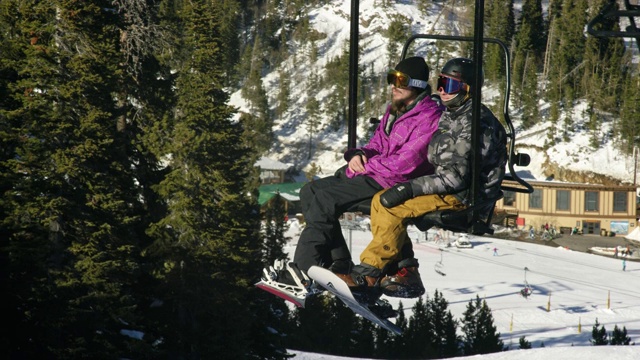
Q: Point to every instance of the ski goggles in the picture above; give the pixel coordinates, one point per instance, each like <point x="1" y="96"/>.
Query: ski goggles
<point x="450" y="85"/>
<point x="402" y="80"/>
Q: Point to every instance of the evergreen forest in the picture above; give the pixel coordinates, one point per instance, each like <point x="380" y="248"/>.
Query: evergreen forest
<point x="129" y="219"/>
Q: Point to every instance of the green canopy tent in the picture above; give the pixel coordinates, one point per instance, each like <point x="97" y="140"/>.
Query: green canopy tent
<point x="290" y="192"/>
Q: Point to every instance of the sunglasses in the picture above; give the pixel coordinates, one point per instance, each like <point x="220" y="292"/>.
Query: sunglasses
<point x="402" y="80"/>
<point x="450" y="85"/>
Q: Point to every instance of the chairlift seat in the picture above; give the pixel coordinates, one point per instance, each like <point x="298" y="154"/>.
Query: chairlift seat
<point x="453" y="220"/>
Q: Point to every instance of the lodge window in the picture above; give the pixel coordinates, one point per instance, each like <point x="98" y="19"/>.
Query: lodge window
<point x="591" y="200"/>
<point x="620" y="201"/>
<point x="562" y="200"/>
<point x="509" y="198"/>
<point x="535" y="199"/>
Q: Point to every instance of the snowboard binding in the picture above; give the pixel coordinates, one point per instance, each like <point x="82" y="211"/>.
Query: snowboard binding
<point x="383" y="309"/>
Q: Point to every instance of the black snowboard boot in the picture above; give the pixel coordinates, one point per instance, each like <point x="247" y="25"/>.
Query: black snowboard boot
<point x="406" y="283"/>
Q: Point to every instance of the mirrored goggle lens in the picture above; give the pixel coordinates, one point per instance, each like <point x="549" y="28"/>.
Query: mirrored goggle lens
<point x="397" y="78"/>
<point x="449" y="85"/>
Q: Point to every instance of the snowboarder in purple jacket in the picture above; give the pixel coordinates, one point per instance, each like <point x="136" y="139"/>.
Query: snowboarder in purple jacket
<point x="397" y="152"/>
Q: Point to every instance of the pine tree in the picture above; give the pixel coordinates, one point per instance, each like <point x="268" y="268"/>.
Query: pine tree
<point x="599" y="335"/>
<point x="337" y="79"/>
<point x="73" y="198"/>
<point x="398" y="343"/>
<point x="529" y="47"/>
<point x="363" y="339"/>
<point x="529" y="86"/>
<point x="343" y="323"/>
<point x="258" y="124"/>
<point x="419" y="336"/>
<point x="313" y="109"/>
<point x="500" y="24"/>
<point x="397" y="32"/>
<point x="593" y="124"/>
<point x="480" y="336"/>
<point x="274" y="229"/>
<point x="212" y="224"/>
<point x="567" y="51"/>
<point x="470" y="326"/>
<point x="605" y="66"/>
<point x="284" y="93"/>
<point x="628" y="127"/>
<point x="445" y="338"/>
<point x="619" y="337"/>
<point x="524" y="343"/>
<point x="312" y="331"/>
<point x="384" y="344"/>
<point x="273" y="310"/>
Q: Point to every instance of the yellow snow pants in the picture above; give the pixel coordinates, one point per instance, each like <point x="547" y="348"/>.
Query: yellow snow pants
<point x="389" y="225"/>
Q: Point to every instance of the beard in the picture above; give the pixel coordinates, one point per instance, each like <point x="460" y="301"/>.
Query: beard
<point x="399" y="104"/>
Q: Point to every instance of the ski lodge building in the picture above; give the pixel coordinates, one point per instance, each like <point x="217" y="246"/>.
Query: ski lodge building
<point x="593" y="209"/>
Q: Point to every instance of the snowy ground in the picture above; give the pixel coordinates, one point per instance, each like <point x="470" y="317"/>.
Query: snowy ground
<point x="557" y="353"/>
<point x="570" y="291"/>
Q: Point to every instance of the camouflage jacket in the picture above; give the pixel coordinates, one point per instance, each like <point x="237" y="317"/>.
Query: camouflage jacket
<point x="450" y="153"/>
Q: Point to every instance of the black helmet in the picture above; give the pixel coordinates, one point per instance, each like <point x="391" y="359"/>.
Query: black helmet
<point x="462" y="69"/>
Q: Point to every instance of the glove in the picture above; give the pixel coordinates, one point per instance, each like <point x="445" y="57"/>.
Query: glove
<point x="342" y="172"/>
<point x="396" y="195"/>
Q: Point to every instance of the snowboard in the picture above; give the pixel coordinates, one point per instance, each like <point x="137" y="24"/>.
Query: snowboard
<point x="282" y="291"/>
<point x="336" y="286"/>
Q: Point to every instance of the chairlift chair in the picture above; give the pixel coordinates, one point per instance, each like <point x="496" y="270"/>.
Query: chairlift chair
<point x="439" y="266"/>
<point x="527" y="290"/>
<point x="476" y="218"/>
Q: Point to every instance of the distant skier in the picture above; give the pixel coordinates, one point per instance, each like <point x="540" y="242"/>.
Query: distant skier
<point x="624" y="264"/>
<point x="495" y="251"/>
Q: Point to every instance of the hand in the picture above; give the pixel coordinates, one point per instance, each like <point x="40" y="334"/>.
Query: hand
<point x="396" y="195"/>
<point x="356" y="164"/>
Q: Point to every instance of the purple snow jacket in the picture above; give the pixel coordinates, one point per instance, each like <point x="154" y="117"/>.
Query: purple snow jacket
<point x="401" y="155"/>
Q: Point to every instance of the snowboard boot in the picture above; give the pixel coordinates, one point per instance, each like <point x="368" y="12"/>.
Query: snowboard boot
<point x="341" y="266"/>
<point x="342" y="263"/>
<point x="364" y="282"/>
<point x="406" y="283"/>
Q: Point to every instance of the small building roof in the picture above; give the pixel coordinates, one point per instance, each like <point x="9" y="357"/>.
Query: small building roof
<point x="269" y="164"/>
<point x="289" y="191"/>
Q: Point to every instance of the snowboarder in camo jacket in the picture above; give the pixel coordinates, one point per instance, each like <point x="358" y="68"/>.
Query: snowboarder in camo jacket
<point x="388" y="261"/>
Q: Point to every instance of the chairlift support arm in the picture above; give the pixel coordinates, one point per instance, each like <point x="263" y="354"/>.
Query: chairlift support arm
<point x="610" y="11"/>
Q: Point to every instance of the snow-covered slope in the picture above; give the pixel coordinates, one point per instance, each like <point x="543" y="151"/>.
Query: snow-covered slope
<point x="570" y="291"/>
